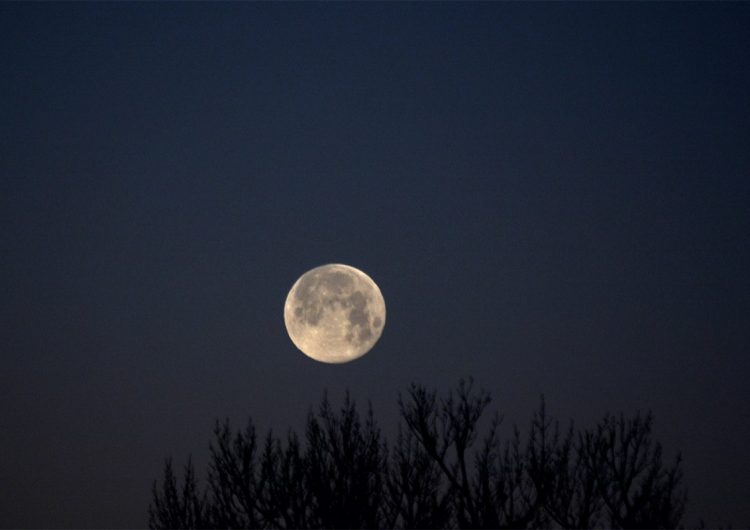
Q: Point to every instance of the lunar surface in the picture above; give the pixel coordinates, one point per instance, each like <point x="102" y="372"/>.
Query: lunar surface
<point x="334" y="313"/>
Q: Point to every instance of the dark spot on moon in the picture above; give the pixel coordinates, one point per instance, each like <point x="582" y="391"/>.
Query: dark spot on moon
<point x="377" y="322"/>
<point x="308" y="284"/>
<point x="337" y="281"/>
<point x="313" y="317"/>
<point x="358" y="300"/>
<point x="358" y="317"/>
<point x="364" y="334"/>
<point x="298" y="312"/>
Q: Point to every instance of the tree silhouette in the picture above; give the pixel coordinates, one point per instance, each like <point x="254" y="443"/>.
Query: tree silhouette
<point x="172" y="509"/>
<point x="437" y="474"/>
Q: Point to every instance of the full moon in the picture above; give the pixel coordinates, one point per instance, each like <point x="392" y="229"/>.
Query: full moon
<point x="334" y="313"/>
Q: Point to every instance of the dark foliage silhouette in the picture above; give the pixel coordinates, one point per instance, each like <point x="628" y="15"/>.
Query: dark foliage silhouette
<point x="439" y="473"/>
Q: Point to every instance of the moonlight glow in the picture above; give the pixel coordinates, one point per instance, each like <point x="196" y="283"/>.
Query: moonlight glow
<point x="334" y="313"/>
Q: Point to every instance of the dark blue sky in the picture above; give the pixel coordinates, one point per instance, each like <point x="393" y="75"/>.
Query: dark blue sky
<point x="553" y="199"/>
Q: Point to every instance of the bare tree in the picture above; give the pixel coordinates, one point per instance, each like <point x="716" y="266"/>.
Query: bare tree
<point x="342" y="474"/>
<point x="636" y="488"/>
<point x="416" y="496"/>
<point x="174" y="509"/>
<point x="571" y="498"/>
<point x="232" y="478"/>
<point x="446" y="430"/>
<point x="284" y="503"/>
<point x="345" y="462"/>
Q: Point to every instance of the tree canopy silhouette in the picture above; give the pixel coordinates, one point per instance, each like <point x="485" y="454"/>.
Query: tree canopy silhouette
<point x="438" y="473"/>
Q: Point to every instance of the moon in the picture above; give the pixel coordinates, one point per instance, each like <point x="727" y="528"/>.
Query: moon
<point x="334" y="313"/>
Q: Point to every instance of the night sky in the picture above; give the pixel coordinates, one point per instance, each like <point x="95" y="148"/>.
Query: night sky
<point x="553" y="199"/>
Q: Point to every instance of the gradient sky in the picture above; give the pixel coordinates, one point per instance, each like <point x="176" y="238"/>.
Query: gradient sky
<point x="553" y="199"/>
